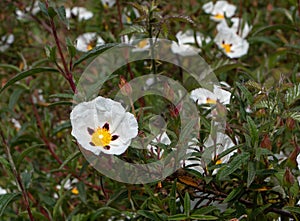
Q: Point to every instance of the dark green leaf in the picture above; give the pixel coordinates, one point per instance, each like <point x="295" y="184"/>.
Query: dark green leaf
<point x="134" y="29"/>
<point x="60" y="127"/>
<point x="5" y="199"/>
<point x="203" y="217"/>
<point x="25" y="74"/>
<point x="26" y="152"/>
<point x="292" y="209"/>
<point x="172" y="198"/>
<point x="245" y="92"/>
<point x="253" y="131"/>
<point x="14" y="97"/>
<point x="43" y="8"/>
<point x="148" y="214"/>
<point x="51" y="12"/>
<point x="205" y="210"/>
<point x="71" y="47"/>
<point x="82" y="193"/>
<point x="9" y="66"/>
<point x="179" y="18"/>
<point x="60" y="103"/>
<point x="26" y="179"/>
<point x="274" y="28"/>
<point x="178" y="217"/>
<point x="71" y="157"/>
<point x="228" y="67"/>
<point x="235" y="164"/>
<point x="61" y="11"/>
<point x="50" y="53"/>
<point x="187" y="204"/>
<point x="96" y="51"/>
<point x="233" y="194"/>
<point x="251" y="173"/>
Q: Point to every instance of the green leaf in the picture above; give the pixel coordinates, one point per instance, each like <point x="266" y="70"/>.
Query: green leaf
<point x="172" y="198"/>
<point x="293" y="94"/>
<point x="179" y="18"/>
<point x="51" y="12"/>
<point x="187" y="204"/>
<point x="71" y="157"/>
<point x="96" y="51"/>
<point x="26" y="152"/>
<point x="71" y="47"/>
<point x="134" y="29"/>
<point x="82" y="192"/>
<point x="50" y="52"/>
<point x="251" y="173"/>
<point x="203" y="217"/>
<point x="292" y="209"/>
<point x="9" y="66"/>
<point x="5" y="199"/>
<point x="103" y="209"/>
<point x="26" y="178"/>
<point x="233" y="194"/>
<point x="60" y="127"/>
<point x="60" y="103"/>
<point x="148" y="214"/>
<point x="204" y="210"/>
<point x="61" y="95"/>
<point x="178" y="217"/>
<point x="253" y="131"/>
<point x="43" y="8"/>
<point x="228" y="67"/>
<point x="14" y="97"/>
<point x="61" y="12"/>
<point x="245" y="92"/>
<point x="235" y="164"/>
<point x="25" y="74"/>
<point x="274" y="28"/>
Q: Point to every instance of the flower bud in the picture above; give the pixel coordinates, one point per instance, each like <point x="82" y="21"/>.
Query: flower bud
<point x="290" y="123"/>
<point x="266" y="142"/>
<point x="288" y="178"/>
<point x="125" y="88"/>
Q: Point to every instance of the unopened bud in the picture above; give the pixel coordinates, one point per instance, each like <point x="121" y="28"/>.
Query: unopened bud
<point x="290" y="123"/>
<point x="288" y="178"/>
<point x="125" y="88"/>
<point x="266" y="142"/>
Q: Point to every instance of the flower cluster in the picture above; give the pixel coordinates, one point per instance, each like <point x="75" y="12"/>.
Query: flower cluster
<point x="230" y="38"/>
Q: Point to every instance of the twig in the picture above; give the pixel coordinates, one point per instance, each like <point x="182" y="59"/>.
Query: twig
<point x="17" y="176"/>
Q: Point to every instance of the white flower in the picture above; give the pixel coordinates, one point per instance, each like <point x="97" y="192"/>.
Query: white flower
<point x="232" y="44"/>
<point x="108" y="3"/>
<point x="184" y="47"/>
<point x="204" y="96"/>
<point x="223" y="143"/>
<point x="68" y="185"/>
<point x="23" y="15"/>
<point x="162" y="138"/>
<point x="2" y="191"/>
<point x="16" y="123"/>
<point x="80" y="12"/>
<point x="102" y="125"/>
<point x="6" y="41"/>
<point x="298" y="161"/>
<point x="220" y="10"/>
<point x="238" y="26"/>
<point x="142" y="45"/>
<point x="88" y="41"/>
<point x="128" y="13"/>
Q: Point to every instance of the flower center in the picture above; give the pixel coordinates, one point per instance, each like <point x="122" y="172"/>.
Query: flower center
<point x="142" y="43"/>
<point x="218" y="162"/>
<point x="101" y="137"/>
<point x="89" y="47"/>
<point x="210" y="101"/>
<point x="219" y="16"/>
<point x="226" y="47"/>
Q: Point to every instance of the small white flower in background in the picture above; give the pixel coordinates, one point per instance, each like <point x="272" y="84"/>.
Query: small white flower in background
<point x="6" y="41"/>
<point x="220" y="10"/>
<point x="142" y="45"/>
<point x="103" y="125"/>
<point x="241" y="28"/>
<point x="162" y="138"/>
<point x="80" y="12"/>
<point x="2" y="191"/>
<point x="16" y="123"/>
<point x="68" y="185"/>
<point x="128" y="13"/>
<point x="232" y="44"/>
<point x="21" y="15"/>
<point x="184" y="47"/>
<point x="223" y="142"/>
<point x="204" y="96"/>
<point x="88" y="41"/>
<point x="108" y="3"/>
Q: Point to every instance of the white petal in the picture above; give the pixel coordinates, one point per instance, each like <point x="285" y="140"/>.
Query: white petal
<point x="84" y="40"/>
<point x="208" y="7"/>
<point x="200" y="95"/>
<point x="109" y="3"/>
<point x="82" y="13"/>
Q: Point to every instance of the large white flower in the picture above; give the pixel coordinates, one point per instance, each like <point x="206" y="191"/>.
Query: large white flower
<point x="88" y="41"/>
<point x="6" y="41"/>
<point x="141" y="45"/>
<point x="220" y="10"/>
<point x="204" y="96"/>
<point x="24" y="14"/>
<point x="184" y="47"/>
<point x="102" y="125"/>
<point x="233" y="45"/>
<point x="162" y="138"/>
<point x="80" y="12"/>
<point x="240" y="27"/>
<point x="108" y="3"/>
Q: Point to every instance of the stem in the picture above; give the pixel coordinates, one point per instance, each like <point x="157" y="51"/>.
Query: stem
<point x="153" y="62"/>
<point x="17" y="176"/>
<point x="66" y="73"/>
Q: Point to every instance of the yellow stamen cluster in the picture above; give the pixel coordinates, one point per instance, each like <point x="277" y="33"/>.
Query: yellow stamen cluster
<point x="101" y="137"/>
<point x="142" y="43"/>
<point x="227" y="47"/>
<point x="210" y="101"/>
<point x="219" y="16"/>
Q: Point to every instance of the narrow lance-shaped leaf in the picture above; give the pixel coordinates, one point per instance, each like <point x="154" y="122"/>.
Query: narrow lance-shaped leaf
<point x="5" y="199"/>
